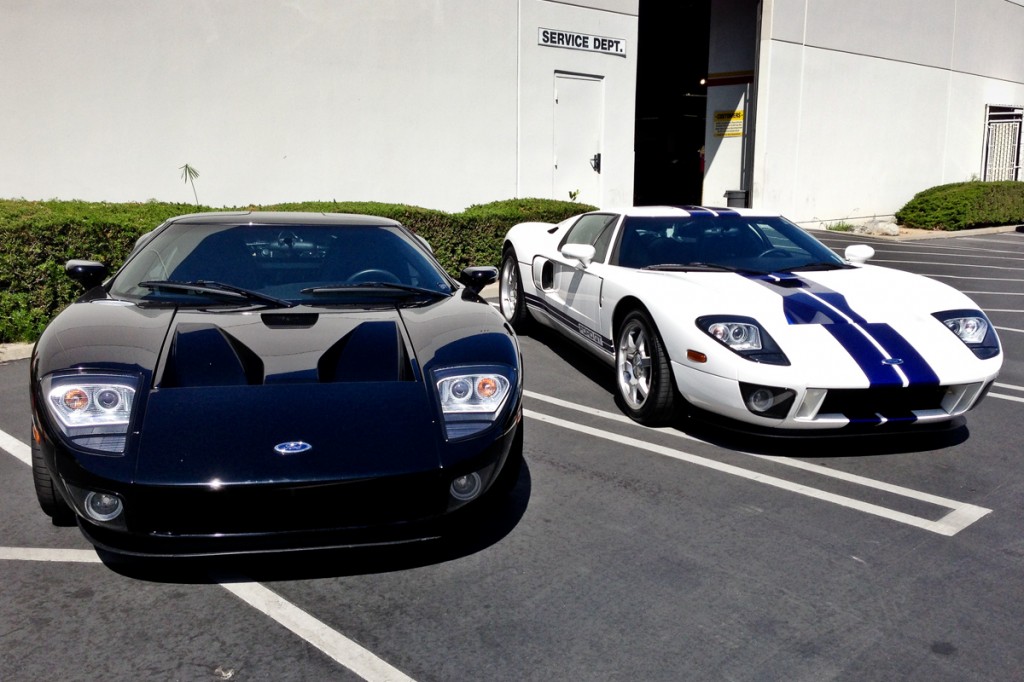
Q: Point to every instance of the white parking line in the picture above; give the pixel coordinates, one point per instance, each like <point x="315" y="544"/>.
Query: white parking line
<point x="341" y="649"/>
<point x="73" y="556"/>
<point x="16" y="448"/>
<point x="960" y="516"/>
<point x="1007" y="397"/>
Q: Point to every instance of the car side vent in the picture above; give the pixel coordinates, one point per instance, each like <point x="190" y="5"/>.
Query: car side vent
<point x="373" y="351"/>
<point x="205" y="355"/>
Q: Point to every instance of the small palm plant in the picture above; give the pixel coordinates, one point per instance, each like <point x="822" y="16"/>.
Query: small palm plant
<point x="189" y="175"/>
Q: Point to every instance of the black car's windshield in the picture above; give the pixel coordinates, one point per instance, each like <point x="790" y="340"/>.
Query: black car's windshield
<point x="278" y="265"/>
<point x="708" y="242"/>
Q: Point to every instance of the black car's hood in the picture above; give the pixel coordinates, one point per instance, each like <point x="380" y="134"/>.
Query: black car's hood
<point x="282" y="396"/>
<point x="270" y="395"/>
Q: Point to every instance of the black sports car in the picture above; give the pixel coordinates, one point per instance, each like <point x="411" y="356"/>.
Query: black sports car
<point x="264" y="381"/>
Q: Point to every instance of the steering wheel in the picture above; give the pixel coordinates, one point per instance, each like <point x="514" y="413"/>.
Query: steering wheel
<point x="374" y="275"/>
<point x="783" y="253"/>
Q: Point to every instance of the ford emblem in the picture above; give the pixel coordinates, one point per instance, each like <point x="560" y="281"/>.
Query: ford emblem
<point x="892" y="361"/>
<point x="294" y="447"/>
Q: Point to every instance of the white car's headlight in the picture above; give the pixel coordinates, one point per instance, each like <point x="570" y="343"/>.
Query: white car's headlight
<point x="92" y="410"/>
<point x="472" y="397"/>
<point x="739" y="336"/>
<point x="973" y="328"/>
<point x="744" y="336"/>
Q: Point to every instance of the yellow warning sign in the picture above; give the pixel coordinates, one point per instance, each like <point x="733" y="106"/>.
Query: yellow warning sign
<point x="729" y="123"/>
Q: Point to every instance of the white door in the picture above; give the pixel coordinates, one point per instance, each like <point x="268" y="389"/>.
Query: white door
<point x="579" y="111"/>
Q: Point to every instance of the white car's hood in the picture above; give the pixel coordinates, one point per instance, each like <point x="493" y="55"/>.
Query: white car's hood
<point x="857" y="327"/>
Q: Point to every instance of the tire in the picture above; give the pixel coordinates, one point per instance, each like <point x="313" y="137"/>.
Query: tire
<point x="50" y="501"/>
<point x="643" y="377"/>
<point x="510" y="292"/>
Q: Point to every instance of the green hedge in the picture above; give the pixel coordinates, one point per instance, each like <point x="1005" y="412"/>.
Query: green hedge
<point x="38" y="237"/>
<point x="965" y="205"/>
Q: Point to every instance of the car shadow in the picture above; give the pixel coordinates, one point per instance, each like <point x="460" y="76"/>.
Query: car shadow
<point x="572" y="354"/>
<point x="831" y="445"/>
<point x="460" y="537"/>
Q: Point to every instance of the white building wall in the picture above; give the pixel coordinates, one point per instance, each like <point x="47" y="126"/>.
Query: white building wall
<point x="863" y="104"/>
<point x="425" y="102"/>
<point x="616" y="76"/>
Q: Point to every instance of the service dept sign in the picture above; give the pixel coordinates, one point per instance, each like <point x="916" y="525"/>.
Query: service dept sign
<point x="581" y="41"/>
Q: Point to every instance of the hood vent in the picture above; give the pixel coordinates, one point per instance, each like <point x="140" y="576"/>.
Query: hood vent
<point x="290" y="320"/>
<point x="373" y="351"/>
<point x="205" y="355"/>
<point x="786" y="280"/>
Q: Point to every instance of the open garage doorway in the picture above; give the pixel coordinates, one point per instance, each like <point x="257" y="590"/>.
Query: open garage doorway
<point x="672" y="59"/>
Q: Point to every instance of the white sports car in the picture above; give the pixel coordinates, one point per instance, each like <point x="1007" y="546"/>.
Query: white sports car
<point x="747" y="316"/>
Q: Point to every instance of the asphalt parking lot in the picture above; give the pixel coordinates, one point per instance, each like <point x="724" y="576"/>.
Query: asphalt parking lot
<point x="625" y="552"/>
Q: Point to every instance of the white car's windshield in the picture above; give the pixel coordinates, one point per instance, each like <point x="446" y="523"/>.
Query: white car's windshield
<point x="727" y="242"/>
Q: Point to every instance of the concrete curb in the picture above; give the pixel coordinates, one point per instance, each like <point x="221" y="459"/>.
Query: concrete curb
<point x="14" y="351"/>
<point x="908" y="235"/>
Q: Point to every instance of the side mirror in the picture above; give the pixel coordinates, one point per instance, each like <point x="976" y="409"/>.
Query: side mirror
<point x="88" y="273"/>
<point x="584" y="253"/>
<point x="477" y="277"/>
<point x="858" y="254"/>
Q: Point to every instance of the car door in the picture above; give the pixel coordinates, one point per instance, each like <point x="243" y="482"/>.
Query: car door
<point x="572" y="290"/>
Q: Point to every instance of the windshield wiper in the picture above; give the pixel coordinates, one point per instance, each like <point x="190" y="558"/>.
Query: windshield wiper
<point x="823" y="265"/>
<point x="374" y="287"/>
<point x="699" y="267"/>
<point x="221" y="289"/>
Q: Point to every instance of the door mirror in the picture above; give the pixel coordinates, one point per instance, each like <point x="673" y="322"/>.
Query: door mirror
<point x="477" y="277"/>
<point x="584" y="253"/>
<point x="858" y="254"/>
<point x="88" y="273"/>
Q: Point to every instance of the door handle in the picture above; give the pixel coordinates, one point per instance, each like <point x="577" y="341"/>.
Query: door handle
<point x="595" y="162"/>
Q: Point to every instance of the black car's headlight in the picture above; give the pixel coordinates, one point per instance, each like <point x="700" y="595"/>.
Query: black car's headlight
<point x="744" y="336"/>
<point x="93" y="411"/>
<point x="472" y="397"/>
<point x="973" y="328"/>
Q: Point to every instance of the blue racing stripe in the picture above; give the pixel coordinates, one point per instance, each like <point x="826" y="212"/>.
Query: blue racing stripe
<point x="866" y="355"/>
<point x="805" y="302"/>
<point x="916" y="368"/>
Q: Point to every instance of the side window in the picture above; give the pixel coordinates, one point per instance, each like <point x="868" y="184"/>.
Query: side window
<point x="594" y="229"/>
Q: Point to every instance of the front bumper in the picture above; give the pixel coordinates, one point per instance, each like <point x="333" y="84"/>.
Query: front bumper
<point x="836" y="408"/>
<point x="202" y="520"/>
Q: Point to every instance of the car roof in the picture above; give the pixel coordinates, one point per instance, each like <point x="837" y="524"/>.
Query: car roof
<point x="281" y="218"/>
<point x="681" y="211"/>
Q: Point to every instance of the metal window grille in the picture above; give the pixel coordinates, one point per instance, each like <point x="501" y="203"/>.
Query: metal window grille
<point x="1003" y="143"/>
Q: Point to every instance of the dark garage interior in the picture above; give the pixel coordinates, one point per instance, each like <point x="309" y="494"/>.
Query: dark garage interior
<point x="672" y="58"/>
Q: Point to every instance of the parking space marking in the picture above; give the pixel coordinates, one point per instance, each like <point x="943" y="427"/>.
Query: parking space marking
<point x="16" y="448"/>
<point x="340" y="648"/>
<point x="331" y="642"/>
<point x="960" y="516"/>
<point x="1003" y="395"/>
<point x="72" y="556"/>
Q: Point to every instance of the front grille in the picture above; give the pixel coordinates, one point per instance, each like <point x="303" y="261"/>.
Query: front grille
<point x="893" y="403"/>
<point x="274" y="508"/>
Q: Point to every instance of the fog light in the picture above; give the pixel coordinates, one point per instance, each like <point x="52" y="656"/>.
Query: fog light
<point x="465" y="488"/>
<point x="103" y="506"/>
<point x="768" y="401"/>
<point x="761" y="400"/>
